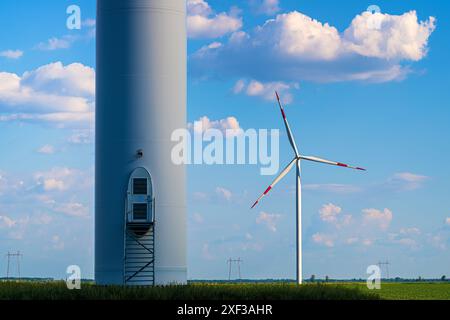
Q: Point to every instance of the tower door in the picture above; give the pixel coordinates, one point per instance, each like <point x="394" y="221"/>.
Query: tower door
<point x="139" y="258"/>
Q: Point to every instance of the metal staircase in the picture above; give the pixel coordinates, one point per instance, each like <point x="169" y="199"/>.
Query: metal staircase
<point x="139" y="268"/>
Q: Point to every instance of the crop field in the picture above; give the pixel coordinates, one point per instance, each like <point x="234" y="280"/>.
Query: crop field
<point x="223" y="291"/>
<point x="410" y="290"/>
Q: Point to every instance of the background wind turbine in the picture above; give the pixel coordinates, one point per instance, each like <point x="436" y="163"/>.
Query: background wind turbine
<point x="296" y="162"/>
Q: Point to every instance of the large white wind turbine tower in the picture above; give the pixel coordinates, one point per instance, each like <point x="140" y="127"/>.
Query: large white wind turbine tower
<point x="296" y="162"/>
<point x="140" y="194"/>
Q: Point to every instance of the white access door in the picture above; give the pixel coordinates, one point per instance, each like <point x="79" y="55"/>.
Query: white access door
<point x="139" y="255"/>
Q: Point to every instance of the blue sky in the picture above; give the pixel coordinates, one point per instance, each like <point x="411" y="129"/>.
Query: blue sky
<point x="372" y="98"/>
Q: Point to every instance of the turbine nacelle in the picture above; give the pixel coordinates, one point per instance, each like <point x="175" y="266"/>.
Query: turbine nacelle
<point x="298" y="157"/>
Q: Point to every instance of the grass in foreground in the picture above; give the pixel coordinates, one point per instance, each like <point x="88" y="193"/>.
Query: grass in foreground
<point x="409" y="291"/>
<point x="223" y="291"/>
<point x="212" y="291"/>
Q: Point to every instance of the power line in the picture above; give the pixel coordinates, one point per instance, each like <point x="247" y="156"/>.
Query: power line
<point x="17" y="257"/>
<point x="386" y="263"/>
<point x="236" y="262"/>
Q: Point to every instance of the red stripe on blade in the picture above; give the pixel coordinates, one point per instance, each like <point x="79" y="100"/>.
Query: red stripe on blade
<point x="268" y="189"/>
<point x="254" y="204"/>
<point x="278" y="97"/>
<point x="362" y="169"/>
<point x="282" y="112"/>
<point x="342" y="165"/>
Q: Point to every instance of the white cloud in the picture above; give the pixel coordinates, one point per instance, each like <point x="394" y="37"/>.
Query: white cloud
<point x="57" y="179"/>
<point x="267" y="7"/>
<point x="297" y="35"/>
<point x="7" y="222"/>
<point x="268" y="219"/>
<point x="399" y="37"/>
<point x="56" y="43"/>
<point x="228" y="126"/>
<point x="202" y="22"/>
<point x="11" y="54"/>
<point x="352" y="240"/>
<point x="46" y="149"/>
<point x="410" y="231"/>
<point x="198" y="7"/>
<point x="447" y="221"/>
<point x="294" y="47"/>
<point x="9" y="184"/>
<point x="407" y="242"/>
<point x="81" y="137"/>
<point x="73" y="209"/>
<point x="74" y="79"/>
<point x="336" y="227"/>
<point x="15" y="227"/>
<point x="329" y="212"/>
<point x="323" y="239"/>
<point x="57" y="243"/>
<point x="382" y="219"/>
<point x="407" y="181"/>
<point x="224" y="193"/>
<point x="53" y="93"/>
<point x="239" y="86"/>
<point x="43" y="219"/>
<point x="410" y="177"/>
<point x="265" y="90"/>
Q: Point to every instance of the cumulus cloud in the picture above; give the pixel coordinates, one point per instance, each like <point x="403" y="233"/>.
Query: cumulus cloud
<point x="267" y="7"/>
<point x="46" y="149"/>
<point x="266" y="91"/>
<point x="224" y="193"/>
<point x="81" y="136"/>
<point x="53" y="93"/>
<point x="329" y="212"/>
<point x="56" y="43"/>
<point x="294" y="47"/>
<point x="408" y="237"/>
<point x="397" y="37"/>
<point x="379" y="218"/>
<point x="323" y="239"/>
<point x="57" y="179"/>
<point x="11" y="54"/>
<point x="7" y="222"/>
<point x="15" y="227"/>
<point x="60" y="179"/>
<point x="228" y="126"/>
<point x="270" y="220"/>
<point x="333" y="227"/>
<point x="73" y="209"/>
<point x="202" y="22"/>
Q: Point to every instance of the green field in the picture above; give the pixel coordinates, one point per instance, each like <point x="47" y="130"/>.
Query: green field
<point x="410" y="290"/>
<point x="223" y="291"/>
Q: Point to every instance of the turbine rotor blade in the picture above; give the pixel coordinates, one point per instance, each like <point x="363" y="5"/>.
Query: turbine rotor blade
<point x="334" y="163"/>
<point x="277" y="179"/>
<point x="286" y="124"/>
